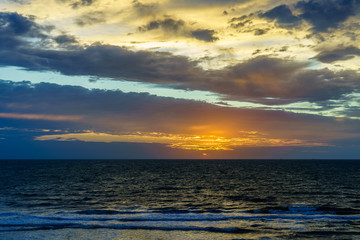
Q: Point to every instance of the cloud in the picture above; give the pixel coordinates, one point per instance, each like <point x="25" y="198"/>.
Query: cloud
<point x="338" y="54"/>
<point x="41" y="117"/>
<point x="179" y="28"/>
<point x="240" y="22"/>
<point x="324" y="14"/>
<point x="78" y="3"/>
<point x="282" y="15"/>
<point x="112" y="119"/>
<point x="16" y="24"/>
<point x="101" y="104"/>
<point x="21" y="32"/>
<point x="106" y="61"/>
<point x="261" y="79"/>
<point x="15" y="27"/>
<point x="204" y="35"/>
<point x="186" y="142"/>
<point x="113" y="116"/>
<point x="206" y="3"/>
<point x="167" y="24"/>
<point x="287" y="81"/>
<point x="13" y="138"/>
<point x="91" y="18"/>
<point x="19" y="1"/>
<point x="143" y="10"/>
<point x="259" y="31"/>
<point x="321" y="14"/>
<point x="82" y="3"/>
<point x="245" y="24"/>
<point x="66" y="41"/>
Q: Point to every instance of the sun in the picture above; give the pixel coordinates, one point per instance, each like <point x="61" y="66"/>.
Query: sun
<point x="204" y="154"/>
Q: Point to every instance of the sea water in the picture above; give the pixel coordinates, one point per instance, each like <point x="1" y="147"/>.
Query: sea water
<point x="179" y="199"/>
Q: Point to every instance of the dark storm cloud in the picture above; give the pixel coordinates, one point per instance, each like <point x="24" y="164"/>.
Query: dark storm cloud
<point x="167" y="24"/>
<point x="65" y="39"/>
<point x="179" y="28"/>
<point x="204" y="35"/>
<point x="255" y="80"/>
<point x="40" y="98"/>
<point x="325" y="14"/>
<point x="321" y="14"/>
<point x="118" y="62"/>
<point x="282" y="15"/>
<point x="105" y="61"/>
<point x="16" y="30"/>
<point x="91" y="18"/>
<point x="261" y="78"/>
<point x="339" y="54"/>
<point x="14" y="24"/>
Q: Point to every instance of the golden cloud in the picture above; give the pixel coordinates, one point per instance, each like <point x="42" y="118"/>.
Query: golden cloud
<point x="185" y="142"/>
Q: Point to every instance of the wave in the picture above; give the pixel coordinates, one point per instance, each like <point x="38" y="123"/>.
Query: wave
<point x="307" y="210"/>
<point x="327" y="234"/>
<point x="105" y="212"/>
<point x="251" y="199"/>
<point x="292" y="209"/>
<point x="290" y="213"/>
<point x="54" y="226"/>
<point x="339" y="211"/>
<point x="139" y="219"/>
<point x="172" y="219"/>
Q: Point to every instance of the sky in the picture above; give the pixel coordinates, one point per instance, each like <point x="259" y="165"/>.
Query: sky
<point x="127" y="79"/>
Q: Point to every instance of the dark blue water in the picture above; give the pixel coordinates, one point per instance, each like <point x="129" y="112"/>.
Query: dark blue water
<point x="179" y="199"/>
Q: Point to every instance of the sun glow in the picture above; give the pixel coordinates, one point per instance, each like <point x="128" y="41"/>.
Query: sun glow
<point x="185" y="142"/>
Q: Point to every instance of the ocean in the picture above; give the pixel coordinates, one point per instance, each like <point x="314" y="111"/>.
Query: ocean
<point x="179" y="199"/>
